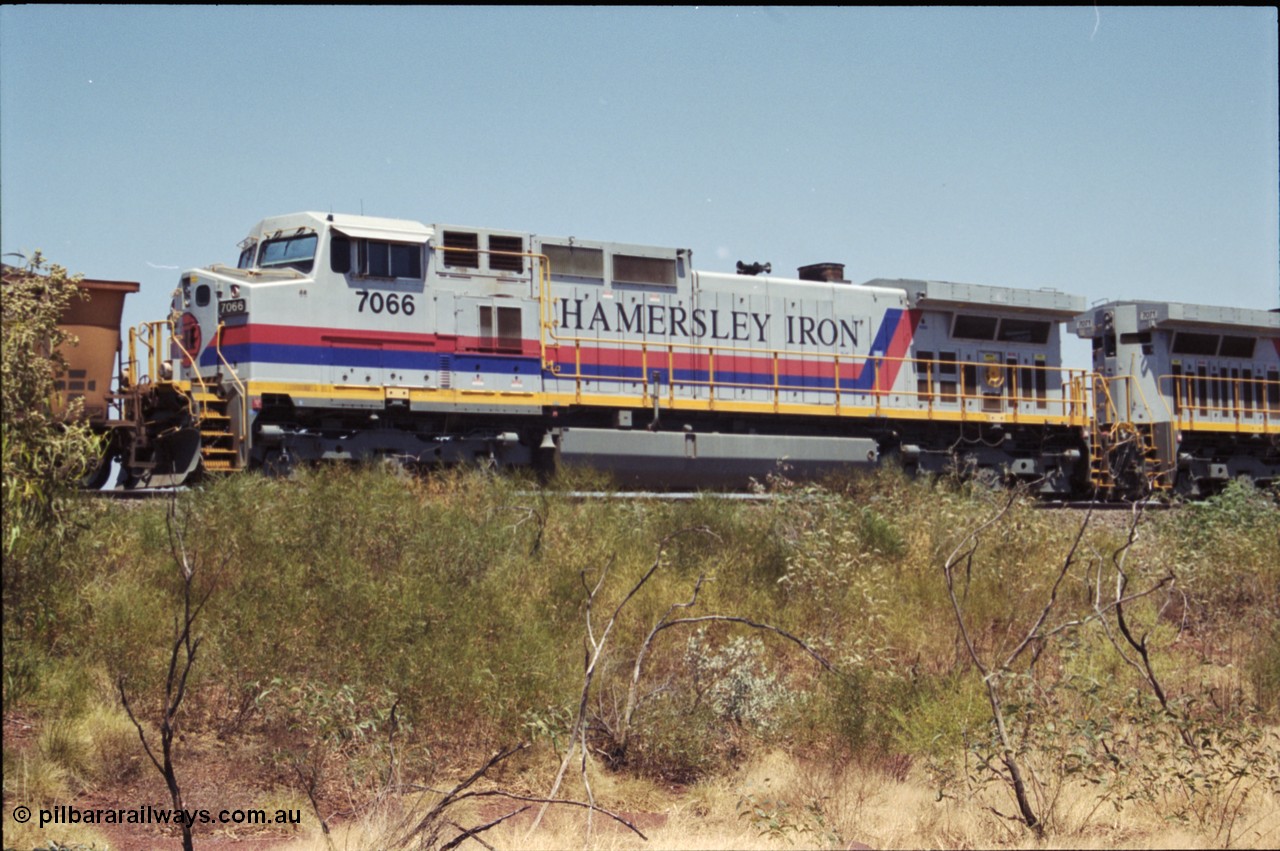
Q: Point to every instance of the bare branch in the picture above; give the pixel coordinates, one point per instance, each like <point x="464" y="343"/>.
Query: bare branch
<point x="1033" y="632"/>
<point x="498" y="793"/>
<point x="961" y="553"/>
<point x="1145" y="669"/>
<point x="454" y="793"/>
<point x="531" y="514"/>
<point x="666" y="622"/>
<point x="577" y="734"/>
<point x="817" y="657"/>
<point x="124" y="700"/>
<point x="627" y="713"/>
<point x="309" y="786"/>
<point x="175" y="685"/>
<point x="990" y="679"/>
<point x="471" y="833"/>
<point x="1101" y="611"/>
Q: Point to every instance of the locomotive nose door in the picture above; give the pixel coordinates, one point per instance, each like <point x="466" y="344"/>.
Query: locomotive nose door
<point x="196" y="327"/>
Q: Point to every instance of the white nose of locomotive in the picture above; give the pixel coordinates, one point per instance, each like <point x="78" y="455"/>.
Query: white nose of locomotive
<point x="200" y="304"/>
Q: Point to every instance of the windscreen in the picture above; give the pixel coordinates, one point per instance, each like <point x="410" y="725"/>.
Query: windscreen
<point x="297" y="252"/>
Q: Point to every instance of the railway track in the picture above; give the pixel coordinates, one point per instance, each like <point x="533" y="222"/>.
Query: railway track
<point x="136" y="494"/>
<point x="1087" y="505"/>
<point x="144" y="494"/>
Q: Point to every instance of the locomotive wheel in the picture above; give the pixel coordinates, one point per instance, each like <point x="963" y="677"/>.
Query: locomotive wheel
<point x="989" y="478"/>
<point x="278" y="464"/>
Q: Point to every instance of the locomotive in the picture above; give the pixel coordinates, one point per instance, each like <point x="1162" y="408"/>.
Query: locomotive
<point x="340" y="337"/>
<point x="1188" y="397"/>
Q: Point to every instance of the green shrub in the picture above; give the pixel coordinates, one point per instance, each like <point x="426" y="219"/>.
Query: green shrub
<point x="735" y="681"/>
<point x="460" y="599"/>
<point x="678" y="740"/>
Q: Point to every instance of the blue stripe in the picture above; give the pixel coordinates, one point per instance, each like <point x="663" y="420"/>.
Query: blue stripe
<point x="604" y="372"/>
<point x="428" y="361"/>
<point x="369" y="358"/>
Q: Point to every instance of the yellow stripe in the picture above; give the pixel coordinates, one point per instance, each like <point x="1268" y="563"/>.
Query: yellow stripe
<point x="524" y="400"/>
<point x="1227" y="428"/>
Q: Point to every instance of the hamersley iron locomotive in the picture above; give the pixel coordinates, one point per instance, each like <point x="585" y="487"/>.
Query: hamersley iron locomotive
<point x="339" y="337"/>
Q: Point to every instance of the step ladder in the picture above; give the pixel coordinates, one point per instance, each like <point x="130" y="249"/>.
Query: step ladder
<point x="1112" y="438"/>
<point x="218" y="452"/>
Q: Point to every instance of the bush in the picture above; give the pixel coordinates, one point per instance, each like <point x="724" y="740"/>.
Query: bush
<point x="459" y="599"/>
<point x="44" y="449"/>
<point x="45" y="453"/>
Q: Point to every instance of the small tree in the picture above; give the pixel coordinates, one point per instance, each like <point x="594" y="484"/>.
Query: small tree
<point x="182" y="657"/>
<point x="46" y="449"/>
<point x="45" y="452"/>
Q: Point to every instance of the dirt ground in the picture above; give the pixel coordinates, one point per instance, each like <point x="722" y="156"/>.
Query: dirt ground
<point x="862" y="807"/>
<point x="211" y="778"/>
<point x="214" y="776"/>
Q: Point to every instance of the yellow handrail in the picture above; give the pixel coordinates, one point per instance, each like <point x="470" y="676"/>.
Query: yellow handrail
<point x="1067" y="404"/>
<point x="152" y="336"/>
<point x="1133" y="389"/>
<point x="1262" y="411"/>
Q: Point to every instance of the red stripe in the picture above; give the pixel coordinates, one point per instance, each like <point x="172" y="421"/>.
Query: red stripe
<point x="723" y="362"/>
<point x="656" y="358"/>
<point x="899" y="346"/>
<point x="295" y="335"/>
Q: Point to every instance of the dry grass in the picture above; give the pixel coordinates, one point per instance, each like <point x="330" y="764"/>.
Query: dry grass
<point x="34" y="779"/>
<point x="30" y="835"/>
<point x="826" y="806"/>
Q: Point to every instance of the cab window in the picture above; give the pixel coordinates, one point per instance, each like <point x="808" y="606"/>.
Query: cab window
<point x="295" y="252"/>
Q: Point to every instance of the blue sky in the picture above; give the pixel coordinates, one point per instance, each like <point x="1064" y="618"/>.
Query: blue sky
<point x="1108" y="153"/>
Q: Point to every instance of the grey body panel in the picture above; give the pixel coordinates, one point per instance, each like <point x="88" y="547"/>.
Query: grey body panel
<point x="687" y="459"/>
